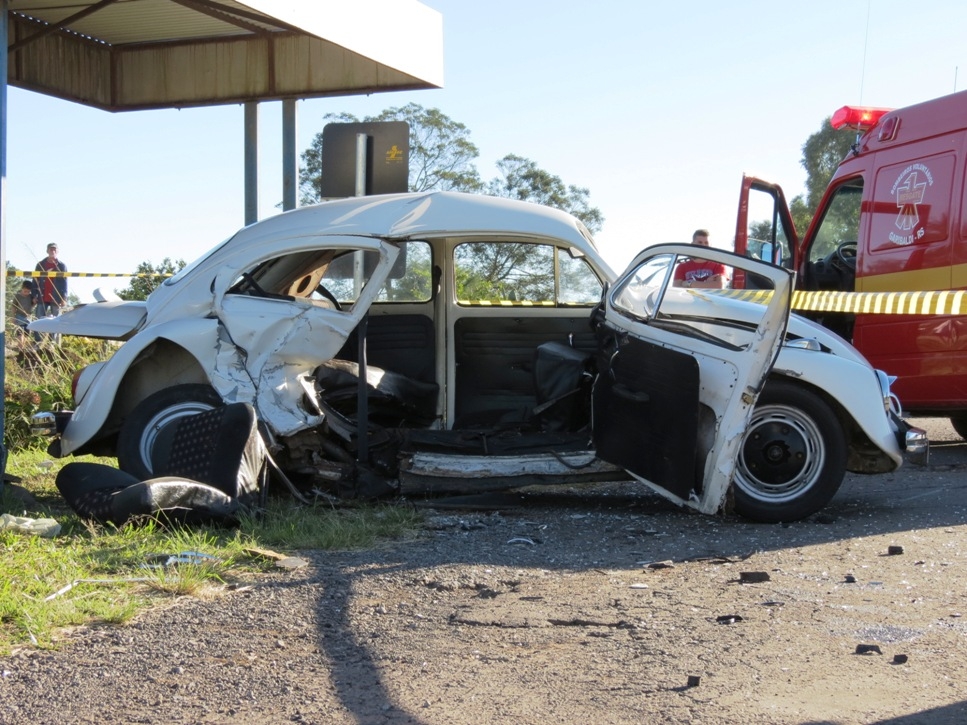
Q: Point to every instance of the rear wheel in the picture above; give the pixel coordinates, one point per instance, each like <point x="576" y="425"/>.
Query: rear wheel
<point x="793" y="456"/>
<point x="148" y="429"/>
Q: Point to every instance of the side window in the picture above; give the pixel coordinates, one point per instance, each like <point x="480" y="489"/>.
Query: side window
<point x="332" y="278"/>
<point x="839" y="228"/>
<point x="411" y="279"/>
<point x="767" y="239"/>
<point x="522" y="273"/>
<point x="647" y="294"/>
<point x="578" y="283"/>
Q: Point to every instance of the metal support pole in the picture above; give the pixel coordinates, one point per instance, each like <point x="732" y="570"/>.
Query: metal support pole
<point x="4" y="29"/>
<point x="362" y="400"/>
<point x="362" y="141"/>
<point x="290" y="157"/>
<point x="251" y="162"/>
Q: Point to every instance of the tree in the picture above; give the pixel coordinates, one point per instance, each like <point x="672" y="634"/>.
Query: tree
<point x="441" y="153"/>
<point x="522" y="179"/>
<point x="442" y="158"/>
<point x="821" y="155"/>
<point x="142" y="286"/>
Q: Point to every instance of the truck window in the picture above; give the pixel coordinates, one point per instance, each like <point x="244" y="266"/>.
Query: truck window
<point x="839" y="227"/>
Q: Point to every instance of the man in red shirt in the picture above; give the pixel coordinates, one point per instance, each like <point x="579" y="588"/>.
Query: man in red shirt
<point x="52" y="291"/>
<point x="700" y="273"/>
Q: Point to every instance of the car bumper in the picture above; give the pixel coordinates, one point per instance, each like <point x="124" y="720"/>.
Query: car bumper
<point x="50" y="424"/>
<point x="913" y="441"/>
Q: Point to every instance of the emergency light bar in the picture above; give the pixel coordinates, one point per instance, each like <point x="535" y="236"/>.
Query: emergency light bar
<point x="857" y="117"/>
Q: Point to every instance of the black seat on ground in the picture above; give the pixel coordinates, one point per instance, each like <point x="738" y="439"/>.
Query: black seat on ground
<point x="215" y="468"/>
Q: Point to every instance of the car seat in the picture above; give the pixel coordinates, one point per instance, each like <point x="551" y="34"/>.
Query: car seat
<point x="215" y="469"/>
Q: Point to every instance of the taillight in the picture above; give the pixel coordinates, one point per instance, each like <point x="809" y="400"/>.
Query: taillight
<point x="77" y="376"/>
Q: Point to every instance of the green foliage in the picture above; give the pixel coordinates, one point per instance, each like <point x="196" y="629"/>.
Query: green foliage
<point x="821" y="154"/>
<point x="442" y="158"/>
<point x="38" y="377"/>
<point x="141" y="287"/>
<point x="504" y="271"/>
<point x="416" y="283"/>
<point x="441" y="153"/>
<point x="522" y="179"/>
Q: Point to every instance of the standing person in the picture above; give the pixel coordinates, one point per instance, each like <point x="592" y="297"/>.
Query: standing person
<point x="23" y="305"/>
<point x="701" y="273"/>
<point x="52" y="291"/>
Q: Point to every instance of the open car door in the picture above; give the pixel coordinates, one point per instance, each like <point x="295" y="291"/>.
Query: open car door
<point x="680" y="369"/>
<point x="763" y="229"/>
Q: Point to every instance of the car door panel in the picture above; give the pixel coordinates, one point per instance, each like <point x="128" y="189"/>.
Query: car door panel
<point x="645" y="410"/>
<point x="680" y="370"/>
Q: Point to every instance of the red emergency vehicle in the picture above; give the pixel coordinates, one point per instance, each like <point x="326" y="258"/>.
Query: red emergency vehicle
<point x="892" y="220"/>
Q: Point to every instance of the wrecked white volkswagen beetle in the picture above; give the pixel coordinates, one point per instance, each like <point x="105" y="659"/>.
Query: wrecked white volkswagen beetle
<point x="498" y="350"/>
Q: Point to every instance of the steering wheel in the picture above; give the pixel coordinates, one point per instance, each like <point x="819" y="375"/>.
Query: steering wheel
<point x="329" y="296"/>
<point x="845" y="256"/>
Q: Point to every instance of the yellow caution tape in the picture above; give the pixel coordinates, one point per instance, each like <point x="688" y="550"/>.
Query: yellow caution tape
<point x="20" y="273"/>
<point x="521" y="303"/>
<point x="942" y="302"/>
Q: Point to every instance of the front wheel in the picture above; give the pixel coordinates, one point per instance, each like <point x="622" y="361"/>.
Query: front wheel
<point x="793" y="456"/>
<point x="147" y="431"/>
<point x="959" y="422"/>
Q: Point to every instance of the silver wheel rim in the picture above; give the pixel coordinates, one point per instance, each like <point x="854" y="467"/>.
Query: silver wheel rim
<point x="782" y="455"/>
<point x="160" y="421"/>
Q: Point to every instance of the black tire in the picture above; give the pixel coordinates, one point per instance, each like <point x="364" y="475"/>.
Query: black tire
<point x="793" y="456"/>
<point x="149" y="426"/>
<point x="959" y="422"/>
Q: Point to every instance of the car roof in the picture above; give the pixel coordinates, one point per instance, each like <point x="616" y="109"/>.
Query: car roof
<point x="423" y="215"/>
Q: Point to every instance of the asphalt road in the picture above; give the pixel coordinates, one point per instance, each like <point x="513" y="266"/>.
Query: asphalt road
<point x="931" y="495"/>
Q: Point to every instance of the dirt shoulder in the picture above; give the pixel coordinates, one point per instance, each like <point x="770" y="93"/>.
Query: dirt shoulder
<point x="580" y="605"/>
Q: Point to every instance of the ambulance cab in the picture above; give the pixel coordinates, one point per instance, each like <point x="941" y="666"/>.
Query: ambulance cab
<point x="891" y="221"/>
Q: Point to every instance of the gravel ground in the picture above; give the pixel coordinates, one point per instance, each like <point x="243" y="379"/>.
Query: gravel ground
<point x="598" y="604"/>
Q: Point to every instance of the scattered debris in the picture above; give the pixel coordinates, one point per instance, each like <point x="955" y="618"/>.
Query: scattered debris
<point x="282" y="561"/>
<point x="47" y="528"/>
<point x="264" y="553"/>
<point x="753" y="577"/>
<point x="291" y="563"/>
<point x="868" y="649"/>
<point x="638" y="585"/>
<point x="522" y="540"/>
<point x="728" y="618"/>
<point x="155" y="561"/>
<point x="667" y="564"/>
<point x="68" y="587"/>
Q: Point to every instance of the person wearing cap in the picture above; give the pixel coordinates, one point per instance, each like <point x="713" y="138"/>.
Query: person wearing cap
<point x="51" y="291"/>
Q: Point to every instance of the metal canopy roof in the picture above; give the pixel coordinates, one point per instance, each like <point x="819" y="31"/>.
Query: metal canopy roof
<point x="122" y="55"/>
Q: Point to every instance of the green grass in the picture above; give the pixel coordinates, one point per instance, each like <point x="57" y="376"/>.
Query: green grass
<point x="91" y="574"/>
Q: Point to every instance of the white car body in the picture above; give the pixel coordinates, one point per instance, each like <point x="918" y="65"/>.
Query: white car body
<point x="214" y="324"/>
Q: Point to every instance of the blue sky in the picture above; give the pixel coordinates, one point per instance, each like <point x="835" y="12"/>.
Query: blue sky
<point x="658" y="111"/>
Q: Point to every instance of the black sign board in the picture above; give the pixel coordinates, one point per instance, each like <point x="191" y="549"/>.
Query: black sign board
<point x="387" y="158"/>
